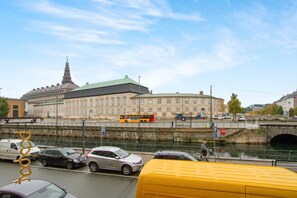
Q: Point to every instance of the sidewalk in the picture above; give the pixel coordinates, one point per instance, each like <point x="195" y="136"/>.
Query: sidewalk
<point x="265" y="162"/>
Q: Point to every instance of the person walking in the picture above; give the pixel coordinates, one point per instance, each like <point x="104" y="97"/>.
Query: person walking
<point x="172" y="124"/>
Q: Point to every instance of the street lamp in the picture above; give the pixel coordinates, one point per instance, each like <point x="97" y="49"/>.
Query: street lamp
<point x="57" y="114"/>
<point x="138" y="106"/>
<point x="211" y="124"/>
<point x="83" y="134"/>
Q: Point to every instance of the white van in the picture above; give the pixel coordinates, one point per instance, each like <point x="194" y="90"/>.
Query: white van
<point x="10" y="149"/>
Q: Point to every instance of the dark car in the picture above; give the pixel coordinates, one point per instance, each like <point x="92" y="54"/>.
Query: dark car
<point x="33" y="189"/>
<point x="65" y="157"/>
<point x="174" y="155"/>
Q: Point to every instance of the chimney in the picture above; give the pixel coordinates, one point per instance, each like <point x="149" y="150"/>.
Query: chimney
<point x="201" y="92"/>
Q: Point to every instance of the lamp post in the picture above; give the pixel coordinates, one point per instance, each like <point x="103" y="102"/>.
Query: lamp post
<point x="57" y="114"/>
<point x="211" y="107"/>
<point x="83" y="134"/>
<point x="138" y="105"/>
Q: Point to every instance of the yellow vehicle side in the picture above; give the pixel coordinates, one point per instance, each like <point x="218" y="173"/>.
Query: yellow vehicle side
<point x="188" y="179"/>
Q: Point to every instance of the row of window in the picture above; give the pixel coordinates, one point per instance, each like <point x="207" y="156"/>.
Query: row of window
<point x="123" y="101"/>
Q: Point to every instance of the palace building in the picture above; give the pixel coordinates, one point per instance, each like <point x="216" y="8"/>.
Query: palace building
<point x="48" y="101"/>
<point x="110" y="99"/>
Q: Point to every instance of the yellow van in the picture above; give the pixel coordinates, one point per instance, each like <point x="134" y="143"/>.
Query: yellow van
<point x="176" y="178"/>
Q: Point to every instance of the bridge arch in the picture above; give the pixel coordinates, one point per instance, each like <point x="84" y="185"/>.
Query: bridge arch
<point x="284" y="142"/>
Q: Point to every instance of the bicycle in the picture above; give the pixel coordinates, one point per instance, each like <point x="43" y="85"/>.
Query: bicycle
<point x="210" y="157"/>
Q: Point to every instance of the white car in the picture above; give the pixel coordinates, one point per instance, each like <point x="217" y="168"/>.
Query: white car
<point x="113" y="158"/>
<point x="10" y="149"/>
<point x="241" y="118"/>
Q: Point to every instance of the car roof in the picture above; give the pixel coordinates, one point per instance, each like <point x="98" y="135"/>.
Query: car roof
<point x="26" y="187"/>
<point x="171" y="152"/>
<point x="11" y="140"/>
<point x="56" y="148"/>
<point x="107" y="148"/>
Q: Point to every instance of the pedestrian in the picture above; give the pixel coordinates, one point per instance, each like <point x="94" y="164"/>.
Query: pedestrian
<point x="172" y="124"/>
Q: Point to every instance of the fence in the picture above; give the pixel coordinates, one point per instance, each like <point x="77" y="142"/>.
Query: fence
<point x="168" y="124"/>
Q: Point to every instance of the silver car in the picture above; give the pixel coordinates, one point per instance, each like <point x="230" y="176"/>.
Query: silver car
<point x="113" y="158"/>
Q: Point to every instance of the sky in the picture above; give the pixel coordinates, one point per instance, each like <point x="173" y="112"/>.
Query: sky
<point x="246" y="47"/>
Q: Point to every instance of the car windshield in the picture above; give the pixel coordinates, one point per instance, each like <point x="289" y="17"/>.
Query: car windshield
<point x="122" y="153"/>
<point x="49" y="191"/>
<point x="66" y="152"/>
<point x="25" y="144"/>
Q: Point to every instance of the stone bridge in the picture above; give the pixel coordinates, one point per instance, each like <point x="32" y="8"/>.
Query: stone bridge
<point x="280" y="131"/>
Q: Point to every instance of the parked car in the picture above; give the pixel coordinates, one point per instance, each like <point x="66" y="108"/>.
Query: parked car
<point x="32" y="189"/>
<point x="10" y="149"/>
<point x="65" y="157"/>
<point x="174" y="155"/>
<point x="113" y="158"/>
<point x="241" y="118"/>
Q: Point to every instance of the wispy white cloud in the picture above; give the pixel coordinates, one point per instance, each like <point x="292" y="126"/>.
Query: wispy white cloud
<point x="169" y="65"/>
<point x="105" y="16"/>
<point x="74" y="34"/>
<point x="264" y="28"/>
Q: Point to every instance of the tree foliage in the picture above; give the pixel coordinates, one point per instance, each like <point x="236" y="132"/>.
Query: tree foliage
<point x="234" y="105"/>
<point x="293" y="112"/>
<point x="4" y="108"/>
<point x="272" y="109"/>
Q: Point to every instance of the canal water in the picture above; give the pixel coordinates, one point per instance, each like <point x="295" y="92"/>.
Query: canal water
<point x="281" y="151"/>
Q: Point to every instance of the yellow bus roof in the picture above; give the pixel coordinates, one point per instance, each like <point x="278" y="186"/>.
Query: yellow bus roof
<point x="236" y="177"/>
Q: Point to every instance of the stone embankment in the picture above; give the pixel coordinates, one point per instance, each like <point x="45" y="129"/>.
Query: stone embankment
<point x="146" y="134"/>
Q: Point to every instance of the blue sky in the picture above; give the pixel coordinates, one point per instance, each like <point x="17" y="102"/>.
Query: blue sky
<point x="244" y="47"/>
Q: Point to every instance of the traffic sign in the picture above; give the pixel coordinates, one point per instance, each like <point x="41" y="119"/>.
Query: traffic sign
<point x="103" y="132"/>
<point x="223" y="131"/>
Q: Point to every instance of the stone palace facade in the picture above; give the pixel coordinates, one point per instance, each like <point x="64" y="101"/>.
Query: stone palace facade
<point x="109" y="99"/>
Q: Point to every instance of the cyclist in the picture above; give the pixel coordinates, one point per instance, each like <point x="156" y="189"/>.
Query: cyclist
<point x="204" y="151"/>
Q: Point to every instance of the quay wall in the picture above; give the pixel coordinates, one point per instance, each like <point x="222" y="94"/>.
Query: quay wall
<point x="145" y="134"/>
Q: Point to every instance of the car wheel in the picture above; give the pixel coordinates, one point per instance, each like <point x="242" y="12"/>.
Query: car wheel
<point x="44" y="162"/>
<point x="69" y="165"/>
<point x="93" y="166"/>
<point x="126" y="170"/>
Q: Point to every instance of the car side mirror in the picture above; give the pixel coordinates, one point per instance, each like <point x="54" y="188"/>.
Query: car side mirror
<point x="117" y="157"/>
<point x="16" y="148"/>
<point x="60" y="156"/>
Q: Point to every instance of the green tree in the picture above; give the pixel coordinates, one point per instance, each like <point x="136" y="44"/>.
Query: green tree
<point x="295" y="111"/>
<point x="234" y="105"/>
<point x="4" y="108"/>
<point x="279" y="110"/>
<point x="291" y="112"/>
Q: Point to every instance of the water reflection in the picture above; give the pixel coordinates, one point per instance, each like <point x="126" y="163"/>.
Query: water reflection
<point x="243" y="151"/>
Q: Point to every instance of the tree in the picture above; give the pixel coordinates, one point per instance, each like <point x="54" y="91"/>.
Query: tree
<point x="295" y="111"/>
<point x="291" y="112"/>
<point x="279" y="110"/>
<point x="234" y="105"/>
<point x="4" y="108"/>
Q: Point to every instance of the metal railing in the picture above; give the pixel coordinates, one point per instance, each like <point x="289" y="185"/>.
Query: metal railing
<point x="168" y="124"/>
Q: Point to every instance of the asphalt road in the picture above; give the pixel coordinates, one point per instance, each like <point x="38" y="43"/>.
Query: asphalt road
<point x="107" y="184"/>
<point x="79" y="182"/>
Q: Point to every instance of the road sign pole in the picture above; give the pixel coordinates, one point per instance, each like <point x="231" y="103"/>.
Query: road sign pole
<point x="102" y="133"/>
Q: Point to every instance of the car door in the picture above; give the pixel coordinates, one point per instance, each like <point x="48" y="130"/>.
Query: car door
<point x="13" y="151"/>
<point x="58" y="158"/>
<point x="4" y="147"/>
<point x="104" y="161"/>
<point x="114" y="161"/>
